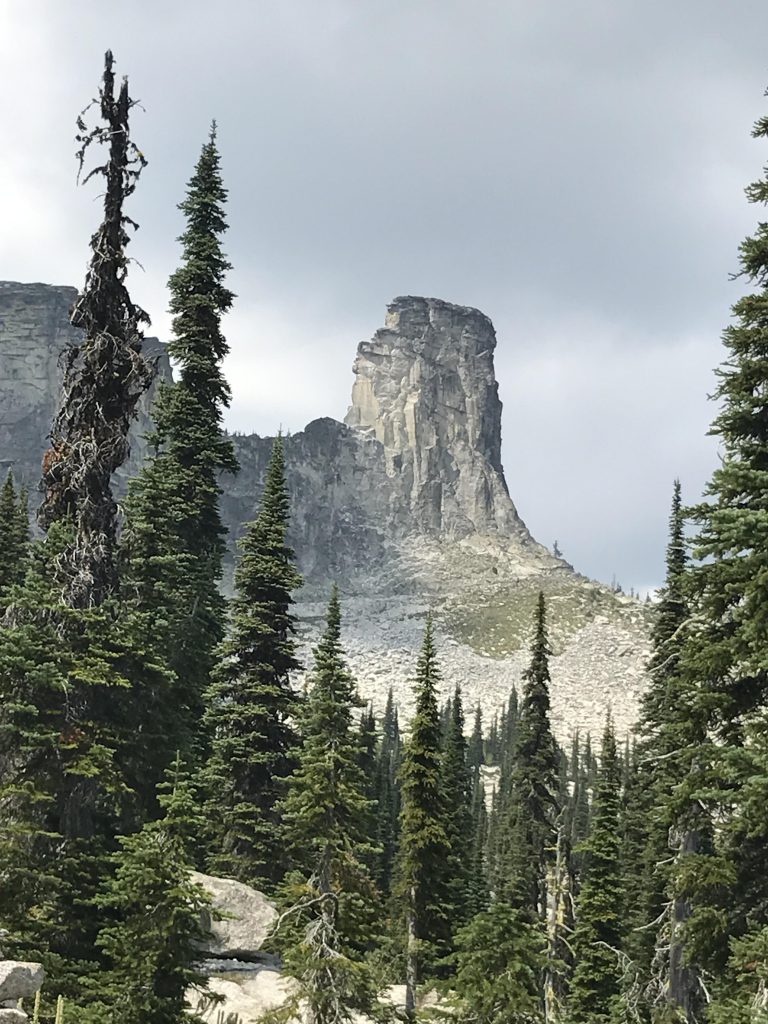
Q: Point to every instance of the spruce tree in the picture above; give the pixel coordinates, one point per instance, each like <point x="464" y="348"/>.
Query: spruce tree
<point x="388" y="795"/>
<point x="153" y="941"/>
<point x="62" y="768"/>
<point x="499" y="961"/>
<point x="424" y="843"/>
<point x="251" y="702"/>
<point x="457" y="793"/>
<point x="175" y="540"/>
<point x="478" y="889"/>
<point x="597" y="941"/>
<point x="328" y="825"/>
<point x="530" y="803"/>
<point x="14" y="537"/>
<point x="475" y="747"/>
<point x="725" y="657"/>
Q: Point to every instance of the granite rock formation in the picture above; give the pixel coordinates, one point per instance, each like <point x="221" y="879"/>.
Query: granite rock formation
<point x="405" y="505"/>
<point x="34" y="331"/>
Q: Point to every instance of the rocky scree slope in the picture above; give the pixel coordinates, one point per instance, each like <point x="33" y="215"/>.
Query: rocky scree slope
<point x="404" y="504"/>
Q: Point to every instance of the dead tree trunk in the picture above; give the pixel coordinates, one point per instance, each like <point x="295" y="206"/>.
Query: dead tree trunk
<point x="104" y="374"/>
<point x="683" y="983"/>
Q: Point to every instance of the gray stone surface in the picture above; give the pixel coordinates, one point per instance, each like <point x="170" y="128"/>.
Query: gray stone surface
<point x="247" y="918"/>
<point x="405" y="505"/>
<point x="12" y="1016"/>
<point x="19" y="980"/>
<point x="34" y="331"/>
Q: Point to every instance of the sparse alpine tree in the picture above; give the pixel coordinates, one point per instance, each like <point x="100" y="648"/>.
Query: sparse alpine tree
<point x="105" y="373"/>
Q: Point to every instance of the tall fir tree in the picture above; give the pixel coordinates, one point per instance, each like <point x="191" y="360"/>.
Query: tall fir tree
<point x="388" y="795"/>
<point x="328" y="825"/>
<point x="424" y="843"/>
<point x="530" y="803"/>
<point x="457" y="795"/>
<point x="597" y="940"/>
<point x="725" y="657"/>
<point x="175" y="539"/>
<point x="251" y="702"/>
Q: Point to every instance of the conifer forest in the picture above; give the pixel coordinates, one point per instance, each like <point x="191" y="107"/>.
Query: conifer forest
<point x="152" y="727"/>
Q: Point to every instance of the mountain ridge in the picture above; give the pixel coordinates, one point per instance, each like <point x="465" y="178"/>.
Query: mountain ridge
<point x="405" y="505"/>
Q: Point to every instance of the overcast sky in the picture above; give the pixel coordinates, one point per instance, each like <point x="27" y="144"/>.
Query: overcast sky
<point x="574" y="168"/>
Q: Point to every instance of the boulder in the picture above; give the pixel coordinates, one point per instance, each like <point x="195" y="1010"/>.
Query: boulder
<point x="247" y="917"/>
<point x="249" y="994"/>
<point x="19" y="981"/>
<point x="13" y="1017"/>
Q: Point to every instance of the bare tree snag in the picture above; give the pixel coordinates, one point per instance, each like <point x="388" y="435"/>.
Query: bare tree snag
<point x="105" y="374"/>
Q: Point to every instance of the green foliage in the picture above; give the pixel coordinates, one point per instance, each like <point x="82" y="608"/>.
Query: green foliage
<point x="388" y="795"/>
<point x="251" y="704"/>
<point x="328" y="822"/>
<point x="528" y="804"/>
<point x="425" y="848"/>
<point x="457" y="794"/>
<point x="14" y="537"/>
<point x="499" y="960"/>
<point x="174" y="541"/>
<point x="63" y="746"/>
<point x="597" y="941"/>
<point x="152" y="944"/>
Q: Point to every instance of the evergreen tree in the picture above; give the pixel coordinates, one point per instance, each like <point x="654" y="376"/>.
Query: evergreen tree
<point x="62" y="771"/>
<point x="388" y="795"/>
<point x="478" y="890"/>
<point x="329" y="819"/>
<point x="499" y="962"/>
<point x="424" y="844"/>
<point x="597" y="940"/>
<point x="152" y="946"/>
<point x="14" y="537"/>
<point x="64" y="648"/>
<point x="725" y="657"/>
<point x="175" y="539"/>
<point x="531" y="803"/>
<point x="328" y="823"/>
<point x="475" y="755"/>
<point x="457" y="795"/>
<point x="251" y="704"/>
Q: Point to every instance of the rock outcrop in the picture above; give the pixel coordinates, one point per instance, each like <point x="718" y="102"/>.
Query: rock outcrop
<point x="405" y="505"/>
<point x="241" y="919"/>
<point x="19" y="981"/>
<point x="34" y="331"/>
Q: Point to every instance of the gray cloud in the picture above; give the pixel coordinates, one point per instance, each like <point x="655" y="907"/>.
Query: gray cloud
<point x="574" y="170"/>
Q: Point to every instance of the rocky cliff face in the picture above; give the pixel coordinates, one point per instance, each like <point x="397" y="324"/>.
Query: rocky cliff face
<point x="34" y="331"/>
<point x="404" y="505"/>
